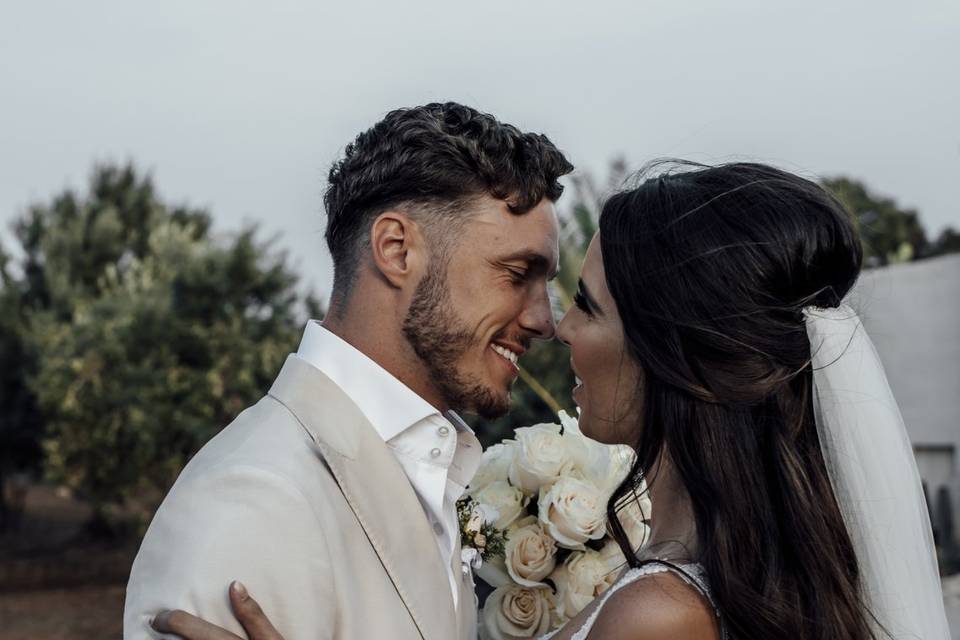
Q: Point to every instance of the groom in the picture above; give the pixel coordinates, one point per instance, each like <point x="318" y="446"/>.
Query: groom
<point x="333" y="497"/>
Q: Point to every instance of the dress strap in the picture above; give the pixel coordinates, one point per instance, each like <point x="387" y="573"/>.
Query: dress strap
<point x="695" y="576"/>
<point x="692" y="574"/>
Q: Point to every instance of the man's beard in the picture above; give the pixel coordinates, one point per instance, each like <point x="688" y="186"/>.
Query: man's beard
<point x="440" y="339"/>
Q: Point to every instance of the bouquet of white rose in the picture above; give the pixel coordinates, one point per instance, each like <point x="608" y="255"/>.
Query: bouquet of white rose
<point x="542" y="498"/>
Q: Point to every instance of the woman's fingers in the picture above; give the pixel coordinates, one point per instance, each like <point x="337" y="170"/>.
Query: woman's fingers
<point x="189" y="627"/>
<point x="250" y="615"/>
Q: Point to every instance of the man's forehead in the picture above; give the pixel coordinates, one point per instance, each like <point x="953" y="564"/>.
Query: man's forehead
<point x="494" y="218"/>
<point x="531" y="236"/>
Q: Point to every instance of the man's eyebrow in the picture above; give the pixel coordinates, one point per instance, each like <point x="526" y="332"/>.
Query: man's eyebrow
<point x="591" y="301"/>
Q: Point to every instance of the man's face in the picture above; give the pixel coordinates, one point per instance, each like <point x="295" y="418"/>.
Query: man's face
<point x="470" y="318"/>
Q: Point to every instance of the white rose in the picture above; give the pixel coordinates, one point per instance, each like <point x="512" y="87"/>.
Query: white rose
<point x="493" y="571"/>
<point x="508" y="501"/>
<point x="494" y="465"/>
<point x="573" y="511"/>
<point x="570" y="424"/>
<point x="512" y="612"/>
<point x="530" y="555"/>
<point x="525" y="521"/>
<point x="580" y="579"/>
<point x="613" y="556"/>
<point x="604" y="465"/>
<point x="633" y="513"/>
<point x="542" y="456"/>
<point x="620" y="460"/>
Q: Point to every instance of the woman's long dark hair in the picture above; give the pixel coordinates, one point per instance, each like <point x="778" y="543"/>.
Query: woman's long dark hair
<point x="710" y="268"/>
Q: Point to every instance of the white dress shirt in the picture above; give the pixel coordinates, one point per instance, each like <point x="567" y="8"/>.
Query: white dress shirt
<point x="438" y="453"/>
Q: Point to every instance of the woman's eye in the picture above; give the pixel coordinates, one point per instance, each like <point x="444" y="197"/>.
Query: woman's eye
<point x="581" y="303"/>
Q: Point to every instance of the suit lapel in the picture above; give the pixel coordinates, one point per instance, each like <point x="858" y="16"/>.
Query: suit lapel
<point x="378" y="492"/>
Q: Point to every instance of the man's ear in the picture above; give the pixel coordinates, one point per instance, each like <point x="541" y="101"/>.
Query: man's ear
<point x="398" y="248"/>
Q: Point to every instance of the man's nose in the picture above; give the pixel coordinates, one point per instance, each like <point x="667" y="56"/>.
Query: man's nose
<point x="538" y="318"/>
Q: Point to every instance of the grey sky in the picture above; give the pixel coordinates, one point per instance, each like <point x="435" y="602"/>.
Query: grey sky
<point x="242" y="106"/>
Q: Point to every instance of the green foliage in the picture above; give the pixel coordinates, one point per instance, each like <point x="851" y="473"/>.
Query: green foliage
<point x="153" y="334"/>
<point x="947" y="242"/>
<point x="889" y="234"/>
<point x="20" y="423"/>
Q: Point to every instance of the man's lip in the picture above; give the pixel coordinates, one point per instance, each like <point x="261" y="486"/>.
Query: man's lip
<point x="512" y="366"/>
<point x="510" y="346"/>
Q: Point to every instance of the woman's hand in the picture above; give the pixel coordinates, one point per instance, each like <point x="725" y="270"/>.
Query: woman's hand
<point x="245" y="608"/>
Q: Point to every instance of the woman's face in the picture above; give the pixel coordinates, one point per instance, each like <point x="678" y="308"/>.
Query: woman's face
<point x="608" y="389"/>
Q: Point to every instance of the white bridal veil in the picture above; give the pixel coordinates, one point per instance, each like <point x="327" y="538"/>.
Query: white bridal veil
<point x="874" y="476"/>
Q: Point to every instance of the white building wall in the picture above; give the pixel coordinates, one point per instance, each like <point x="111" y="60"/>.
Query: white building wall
<point x="912" y="313"/>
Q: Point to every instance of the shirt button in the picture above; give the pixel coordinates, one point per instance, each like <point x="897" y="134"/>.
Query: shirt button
<point x="443" y="431"/>
<point x="435" y="453"/>
<point x="438" y="528"/>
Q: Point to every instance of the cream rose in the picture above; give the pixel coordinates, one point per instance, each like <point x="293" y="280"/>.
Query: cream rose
<point x="508" y="501"/>
<point x="494" y="465"/>
<point x="573" y="511"/>
<point x="542" y="456"/>
<point x="580" y="579"/>
<point x="530" y="555"/>
<point x="513" y="611"/>
<point x="493" y="571"/>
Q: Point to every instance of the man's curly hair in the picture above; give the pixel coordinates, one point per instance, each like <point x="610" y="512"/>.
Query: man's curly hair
<point x="432" y="161"/>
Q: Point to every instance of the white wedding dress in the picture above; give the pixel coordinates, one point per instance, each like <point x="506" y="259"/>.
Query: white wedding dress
<point x="692" y="574"/>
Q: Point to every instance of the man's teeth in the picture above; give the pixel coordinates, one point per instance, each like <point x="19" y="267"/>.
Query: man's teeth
<point x="506" y="353"/>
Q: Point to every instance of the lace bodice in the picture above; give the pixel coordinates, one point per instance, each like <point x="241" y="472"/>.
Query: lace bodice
<point x="692" y="574"/>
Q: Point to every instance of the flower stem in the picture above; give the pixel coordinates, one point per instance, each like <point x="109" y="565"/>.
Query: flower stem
<point x="540" y="390"/>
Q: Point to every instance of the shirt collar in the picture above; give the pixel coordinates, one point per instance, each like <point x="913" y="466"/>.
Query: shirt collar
<point x="389" y="405"/>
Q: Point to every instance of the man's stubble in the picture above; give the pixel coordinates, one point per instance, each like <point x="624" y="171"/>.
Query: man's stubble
<point x="440" y="339"/>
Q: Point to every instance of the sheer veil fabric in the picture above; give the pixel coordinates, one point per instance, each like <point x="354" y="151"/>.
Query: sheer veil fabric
<point x="874" y="476"/>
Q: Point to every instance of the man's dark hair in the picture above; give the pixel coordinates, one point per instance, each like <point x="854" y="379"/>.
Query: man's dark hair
<point x="432" y="161"/>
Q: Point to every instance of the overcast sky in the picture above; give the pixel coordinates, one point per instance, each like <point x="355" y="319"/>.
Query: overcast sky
<point x="241" y="106"/>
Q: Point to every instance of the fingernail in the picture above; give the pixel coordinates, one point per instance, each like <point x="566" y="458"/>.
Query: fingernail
<point x="155" y="620"/>
<point x="239" y="589"/>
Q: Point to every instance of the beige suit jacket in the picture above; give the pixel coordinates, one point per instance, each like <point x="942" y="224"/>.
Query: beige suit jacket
<point x="300" y="499"/>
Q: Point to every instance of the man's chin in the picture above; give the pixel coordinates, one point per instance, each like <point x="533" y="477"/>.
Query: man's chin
<point x="491" y="407"/>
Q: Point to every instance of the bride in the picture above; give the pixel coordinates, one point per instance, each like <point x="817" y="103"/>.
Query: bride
<point x="710" y="334"/>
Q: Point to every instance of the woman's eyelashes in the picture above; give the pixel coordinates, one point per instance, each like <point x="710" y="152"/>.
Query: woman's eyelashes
<point x="581" y="301"/>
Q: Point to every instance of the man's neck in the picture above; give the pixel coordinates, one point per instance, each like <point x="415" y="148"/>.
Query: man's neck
<point x="389" y="350"/>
